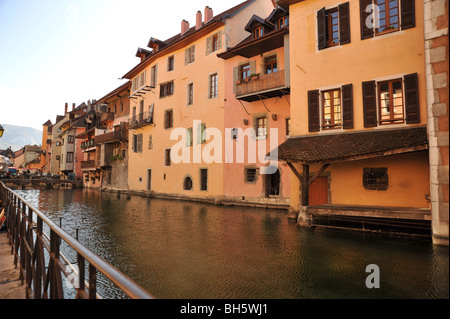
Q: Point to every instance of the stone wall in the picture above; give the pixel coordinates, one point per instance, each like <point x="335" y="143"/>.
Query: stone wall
<point x="437" y="65"/>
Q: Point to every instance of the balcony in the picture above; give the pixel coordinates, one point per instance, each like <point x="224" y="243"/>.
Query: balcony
<point x="88" y="144"/>
<point x="88" y="165"/>
<point x="118" y="135"/>
<point x="262" y="87"/>
<point x="141" y="120"/>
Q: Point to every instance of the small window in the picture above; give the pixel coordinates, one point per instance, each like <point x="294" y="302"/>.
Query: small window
<point x="168" y="119"/>
<point x="190" y="94"/>
<point x="390" y="97"/>
<point x="213" y="83"/>
<point x="261" y="126"/>
<point x="282" y="22"/>
<point x="150" y="142"/>
<point x="331" y="108"/>
<point x="170" y="63"/>
<point x="70" y="139"/>
<point x="69" y="158"/>
<point x="288" y="126"/>
<point x="166" y="89"/>
<point x="244" y="71"/>
<point x="257" y="32"/>
<point x="250" y="175"/>
<point x="137" y="143"/>
<point x="271" y="64"/>
<point x="375" y="178"/>
<point x="203" y="179"/>
<point x="187" y="183"/>
<point x="215" y="42"/>
<point x="153" y="75"/>
<point x="167" y="160"/>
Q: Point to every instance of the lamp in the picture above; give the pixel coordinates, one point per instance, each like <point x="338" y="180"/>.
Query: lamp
<point x="1" y="130"/>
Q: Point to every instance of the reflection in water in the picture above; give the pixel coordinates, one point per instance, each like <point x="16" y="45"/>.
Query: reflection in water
<point x="178" y="249"/>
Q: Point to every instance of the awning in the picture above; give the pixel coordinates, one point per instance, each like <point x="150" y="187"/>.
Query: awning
<point x="341" y="147"/>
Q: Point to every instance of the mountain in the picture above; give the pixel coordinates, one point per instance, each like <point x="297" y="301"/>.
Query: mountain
<point x="19" y="136"/>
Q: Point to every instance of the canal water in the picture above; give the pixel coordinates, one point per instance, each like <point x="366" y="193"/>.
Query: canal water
<point x="185" y="250"/>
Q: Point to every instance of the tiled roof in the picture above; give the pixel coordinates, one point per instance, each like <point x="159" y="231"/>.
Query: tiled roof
<point x="327" y="148"/>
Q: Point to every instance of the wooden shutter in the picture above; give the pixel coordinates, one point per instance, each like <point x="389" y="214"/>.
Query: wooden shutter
<point x="313" y="111"/>
<point x="366" y="32"/>
<point x="219" y="40"/>
<point x="344" y="23"/>
<point x="408" y="14"/>
<point x="412" y="109"/>
<point x="208" y="45"/>
<point x="321" y="29"/>
<point x="150" y="112"/>
<point x="347" y="106"/>
<point x="235" y="78"/>
<point x="369" y="104"/>
<point x="140" y="140"/>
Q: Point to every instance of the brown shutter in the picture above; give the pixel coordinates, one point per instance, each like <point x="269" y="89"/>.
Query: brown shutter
<point x="344" y="23"/>
<point x="369" y="104"/>
<point x="366" y="32"/>
<point x="347" y="106"/>
<point x="411" y="99"/>
<point x="322" y="29"/>
<point x="313" y="111"/>
<point x="408" y="14"/>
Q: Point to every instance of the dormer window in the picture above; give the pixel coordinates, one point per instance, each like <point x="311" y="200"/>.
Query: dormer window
<point x="257" y="32"/>
<point x="282" y="22"/>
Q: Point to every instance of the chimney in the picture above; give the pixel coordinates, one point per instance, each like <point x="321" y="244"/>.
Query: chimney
<point x="184" y="26"/>
<point x="198" y="22"/>
<point x="208" y="14"/>
<point x="73" y="106"/>
<point x="65" y="108"/>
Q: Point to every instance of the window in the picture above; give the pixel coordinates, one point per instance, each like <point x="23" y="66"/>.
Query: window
<point x="190" y="94"/>
<point x="168" y="119"/>
<point x="215" y="42"/>
<point x="282" y="22"/>
<point x="150" y="142"/>
<point x="378" y="17"/>
<point x="189" y="55"/>
<point x="250" y="175"/>
<point x="137" y="143"/>
<point x="288" y="126"/>
<point x="333" y="26"/>
<point x="257" y="32"/>
<point x="166" y="89"/>
<point x="261" y="126"/>
<point x="153" y="75"/>
<point x="390" y="97"/>
<point x="331" y="108"/>
<point x="201" y="133"/>
<point x="189" y="137"/>
<point x="271" y="64"/>
<point x="388" y="19"/>
<point x="187" y="183"/>
<point x="167" y="160"/>
<point x="203" y="179"/>
<point x="244" y="71"/>
<point x="213" y="86"/>
<point x="170" y="63"/>
<point x="70" y="139"/>
<point x="69" y="158"/>
<point x="142" y="79"/>
<point x="375" y="178"/>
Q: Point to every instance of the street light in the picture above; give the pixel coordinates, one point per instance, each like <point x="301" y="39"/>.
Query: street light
<point x="1" y="130"/>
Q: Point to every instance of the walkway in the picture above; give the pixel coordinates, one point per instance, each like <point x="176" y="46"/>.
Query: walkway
<point x="10" y="285"/>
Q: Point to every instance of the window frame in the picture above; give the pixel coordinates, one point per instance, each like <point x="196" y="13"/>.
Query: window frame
<point x="167" y="157"/>
<point x="391" y="105"/>
<point x="329" y="27"/>
<point x="213" y="86"/>
<point x="170" y="63"/>
<point x="168" y="118"/>
<point x="380" y="176"/>
<point x="246" y="175"/>
<point x="333" y="124"/>
<point x="203" y="183"/>
<point x="190" y="94"/>
<point x="258" y="32"/>
<point x="242" y="72"/>
<point x="387" y="27"/>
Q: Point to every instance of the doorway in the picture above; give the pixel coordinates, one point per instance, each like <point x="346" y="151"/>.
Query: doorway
<point x="318" y="191"/>
<point x="272" y="181"/>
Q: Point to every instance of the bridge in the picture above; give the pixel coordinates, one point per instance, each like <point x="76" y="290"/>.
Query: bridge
<point x="41" y="182"/>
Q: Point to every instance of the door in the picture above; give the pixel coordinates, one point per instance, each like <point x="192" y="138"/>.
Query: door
<point x="149" y="180"/>
<point x="318" y="191"/>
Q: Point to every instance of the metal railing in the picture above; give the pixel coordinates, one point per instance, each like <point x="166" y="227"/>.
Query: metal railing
<point x="41" y="262"/>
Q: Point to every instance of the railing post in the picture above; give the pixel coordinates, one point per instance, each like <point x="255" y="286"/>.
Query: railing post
<point x="92" y="282"/>
<point x="56" y="291"/>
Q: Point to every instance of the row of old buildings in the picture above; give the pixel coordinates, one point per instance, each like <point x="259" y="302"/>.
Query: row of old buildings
<point x="328" y="108"/>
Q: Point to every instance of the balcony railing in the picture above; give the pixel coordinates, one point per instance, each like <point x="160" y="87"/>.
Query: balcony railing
<point x="86" y="165"/>
<point x="260" y="84"/>
<point x="119" y="135"/>
<point x="140" y="120"/>
<point x="87" y="144"/>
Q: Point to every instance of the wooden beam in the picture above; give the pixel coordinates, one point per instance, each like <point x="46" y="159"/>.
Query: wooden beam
<point x="305" y="185"/>
<point x="295" y="171"/>
<point x="318" y="173"/>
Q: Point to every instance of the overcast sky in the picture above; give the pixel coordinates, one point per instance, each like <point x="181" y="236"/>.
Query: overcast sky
<point x="58" y="51"/>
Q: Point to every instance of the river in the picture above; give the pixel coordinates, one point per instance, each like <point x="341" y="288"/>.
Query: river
<point x="186" y="250"/>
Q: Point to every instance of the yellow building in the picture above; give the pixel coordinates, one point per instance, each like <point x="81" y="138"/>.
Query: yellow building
<point x="358" y="143"/>
<point x="180" y="84"/>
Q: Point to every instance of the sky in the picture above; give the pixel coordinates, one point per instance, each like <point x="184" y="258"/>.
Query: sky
<point x="54" y="52"/>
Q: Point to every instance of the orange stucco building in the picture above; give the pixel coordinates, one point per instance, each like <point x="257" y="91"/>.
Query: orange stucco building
<point x="358" y="110"/>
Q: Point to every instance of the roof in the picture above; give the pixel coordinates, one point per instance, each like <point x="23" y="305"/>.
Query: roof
<point x="179" y="38"/>
<point x="48" y="123"/>
<point x="329" y="148"/>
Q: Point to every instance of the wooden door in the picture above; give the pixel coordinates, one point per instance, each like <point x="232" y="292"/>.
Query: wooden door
<point x="318" y="191"/>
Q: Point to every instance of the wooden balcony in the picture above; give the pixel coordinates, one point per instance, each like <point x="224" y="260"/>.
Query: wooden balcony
<point x="88" y="165"/>
<point x="262" y="87"/>
<point x="117" y="135"/>
<point x="140" y="120"/>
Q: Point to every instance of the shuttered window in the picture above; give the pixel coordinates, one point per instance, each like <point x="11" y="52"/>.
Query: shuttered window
<point x="333" y="26"/>
<point x="331" y="109"/>
<point x="214" y="43"/>
<point x="189" y="55"/>
<point x="379" y="17"/>
<point x="411" y="99"/>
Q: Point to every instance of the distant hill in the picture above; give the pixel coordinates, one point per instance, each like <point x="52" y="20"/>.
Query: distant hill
<point x="19" y="136"/>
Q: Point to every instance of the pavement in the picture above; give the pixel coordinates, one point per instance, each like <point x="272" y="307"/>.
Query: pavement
<point x="10" y="285"/>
